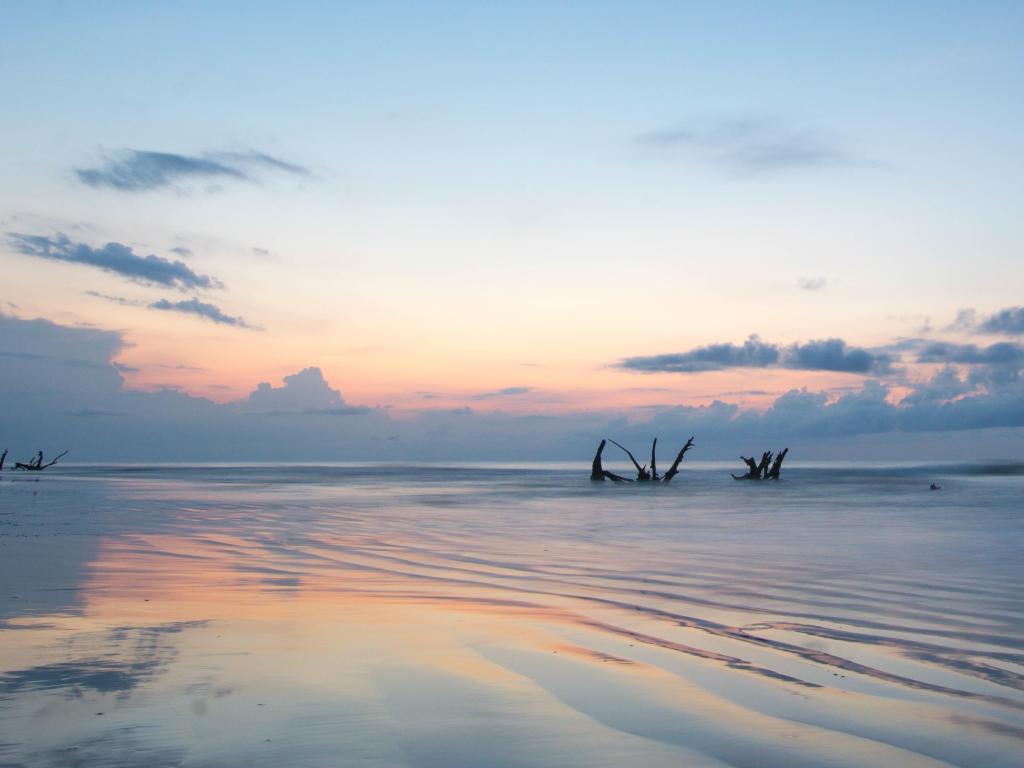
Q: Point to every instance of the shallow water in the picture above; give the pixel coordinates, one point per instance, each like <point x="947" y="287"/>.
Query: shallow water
<point x="510" y="616"/>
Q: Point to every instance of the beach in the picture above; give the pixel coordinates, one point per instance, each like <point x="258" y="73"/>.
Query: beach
<point x="511" y="615"/>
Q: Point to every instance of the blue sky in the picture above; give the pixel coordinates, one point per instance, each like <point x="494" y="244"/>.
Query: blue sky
<point x="433" y="202"/>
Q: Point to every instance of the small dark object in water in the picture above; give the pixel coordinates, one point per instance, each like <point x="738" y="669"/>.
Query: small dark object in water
<point x="934" y="487"/>
<point x="36" y="464"/>
<point x="766" y="469"/>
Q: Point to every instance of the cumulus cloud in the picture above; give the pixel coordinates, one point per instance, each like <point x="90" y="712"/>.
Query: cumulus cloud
<point x="201" y="309"/>
<point x="115" y="258"/>
<point x="822" y="355"/>
<point x="45" y="358"/>
<point x="835" y="355"/>
<point x="1005" y="322"/>
<point x="1004" y="353"/>
<point x="57" y="378"/>
<point x="304" y="392"/>
<point x="1009" y="321"/>
<point x="753" y="145"/>
<point x="133" y="170"/>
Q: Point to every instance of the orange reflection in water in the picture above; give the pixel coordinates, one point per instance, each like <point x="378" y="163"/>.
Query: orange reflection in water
<point x="308" y="648"/>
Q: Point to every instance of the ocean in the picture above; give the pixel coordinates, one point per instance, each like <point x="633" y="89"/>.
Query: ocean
<point x="511" y="615"/>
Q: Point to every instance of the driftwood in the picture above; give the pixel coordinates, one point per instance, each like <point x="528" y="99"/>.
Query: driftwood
<point x="674" y="469"/>
<point x="642" y="475"/>
<point x="598" y="472"/>
<point x="3" y="458"/>
<point x="767" y="469"/>
<point x="773" y="473"/>
<point x="36" y="464"/>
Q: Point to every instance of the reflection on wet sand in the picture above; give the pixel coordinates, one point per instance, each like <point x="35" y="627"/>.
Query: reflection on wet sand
<point x="287" y="625"/>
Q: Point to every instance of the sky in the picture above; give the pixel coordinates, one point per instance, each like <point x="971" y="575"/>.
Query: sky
<point x="506" y="230"/>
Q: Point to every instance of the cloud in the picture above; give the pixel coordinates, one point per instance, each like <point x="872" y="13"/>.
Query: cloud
<point x="753" y="145"/>
<point x="965" y="322"/>
<point x="115" y="258"/>
<point x="1005" y="322"/>
<point x="1003" y="353"/>
<point x="995" y="364"/>
<point x="50" y="360"/>
<point x="305" y="392"/>
<point x="823" y="355"/>
<point x="754" y="353"/>
<point x="120" y="300"/>
<point x="52" y="370"/>
<point x="133" y="170"/>
<point x="506" y="392"/>
<point x="182" y="251"/>
<point x="835" y="355"/>
<point x="1008" y="321"/>
<point x="201" y="309"/>
<point x="811" y="283"/>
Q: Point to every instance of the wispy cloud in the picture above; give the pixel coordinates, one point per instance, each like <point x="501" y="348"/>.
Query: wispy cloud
<point x="819" y="355"/>
<point x="753" y="145"/>
<point x="135" y="170"/>
<point x="120" y="300"/>
<point x="201" y="309"/>
<point x="506" y="392"/>
<point x="113" y="257"/>
<point x="966" y="321"/>
<point x="812" y="283"/>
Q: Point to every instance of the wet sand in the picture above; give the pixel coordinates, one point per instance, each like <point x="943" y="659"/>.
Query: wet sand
<point x="216" y="616"/>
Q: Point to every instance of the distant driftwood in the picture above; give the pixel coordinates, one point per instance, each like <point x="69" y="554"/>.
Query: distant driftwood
<point x="767" y="469"/>
<point x="643" y="475"/>
<point x="35" y="464"/>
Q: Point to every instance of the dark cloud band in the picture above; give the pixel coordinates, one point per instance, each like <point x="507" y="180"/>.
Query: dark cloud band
<point x="117" y="258"/>
<point x="201" y="309"/>
<point x="134" y="170"/>
<point x="822" y="355"/>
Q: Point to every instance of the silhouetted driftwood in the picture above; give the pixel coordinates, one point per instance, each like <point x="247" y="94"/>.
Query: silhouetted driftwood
<point x="599" y="473"/>
<point x="674" y="469"/>
<point x="642" y="475"/>
<point x="752" y="474"/>
<point x="3" y="458"/>
<point x="766" y="469"/>
<point x="36" y="464"/>
<point x="773" y="473"/>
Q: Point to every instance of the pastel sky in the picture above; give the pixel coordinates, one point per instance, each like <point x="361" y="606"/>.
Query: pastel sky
<point x="527" y="209"/>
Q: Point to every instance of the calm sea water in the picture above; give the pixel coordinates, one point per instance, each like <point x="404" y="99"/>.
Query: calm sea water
<point x="511" y="616"/>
